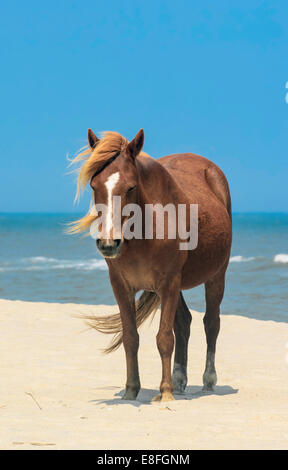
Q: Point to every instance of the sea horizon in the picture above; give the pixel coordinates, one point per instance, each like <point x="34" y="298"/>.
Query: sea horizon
<point x="39" y="262"/>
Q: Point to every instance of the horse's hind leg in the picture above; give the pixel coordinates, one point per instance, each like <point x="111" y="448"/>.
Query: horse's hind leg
<point x="214" y="290"/>
<point x="182" y="333"/>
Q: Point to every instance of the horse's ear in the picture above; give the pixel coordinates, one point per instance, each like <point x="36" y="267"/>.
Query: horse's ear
<point x="135" y="146"/>
<point x="92" y="139"/>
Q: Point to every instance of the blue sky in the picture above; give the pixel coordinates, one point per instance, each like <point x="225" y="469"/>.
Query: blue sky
<point x="206" y="77"/>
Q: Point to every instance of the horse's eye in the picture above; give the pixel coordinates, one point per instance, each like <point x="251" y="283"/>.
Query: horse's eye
<point x="131" y="189"/>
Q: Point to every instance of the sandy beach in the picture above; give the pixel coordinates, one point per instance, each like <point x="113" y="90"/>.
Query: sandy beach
<point x="58" y="391"/>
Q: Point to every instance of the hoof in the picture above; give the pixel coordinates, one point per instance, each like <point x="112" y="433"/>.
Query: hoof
<point x="165" y="396"/>
<point x="179" y="385"/>
<point x="179" y="378"/>
<point x="208" y="388"/>
<point x="179" y="388"/>
<point x="130" y="394"/>
<point x="209" y="381"/>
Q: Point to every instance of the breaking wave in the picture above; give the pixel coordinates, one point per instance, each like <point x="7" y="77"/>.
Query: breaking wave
<point x="240" y="259"/>
<point x="281" y="258"/>
<point x="41" y="263"/>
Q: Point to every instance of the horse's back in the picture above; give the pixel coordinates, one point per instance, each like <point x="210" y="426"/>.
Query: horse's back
<point x="194" y="173"/>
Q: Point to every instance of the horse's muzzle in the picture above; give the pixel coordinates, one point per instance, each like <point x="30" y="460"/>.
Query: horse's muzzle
<point x="109" y="248"/>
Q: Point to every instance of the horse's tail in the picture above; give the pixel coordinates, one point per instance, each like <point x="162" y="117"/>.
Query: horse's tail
<point x="146" y="305"/>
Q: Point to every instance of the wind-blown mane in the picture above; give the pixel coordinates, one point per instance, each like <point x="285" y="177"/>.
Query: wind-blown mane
<point x="107" y="147"/>
<point x="94" y="159"/>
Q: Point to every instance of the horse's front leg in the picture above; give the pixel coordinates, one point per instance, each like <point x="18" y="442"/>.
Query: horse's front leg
<point x="131" y="346"/>
<point x="165" y="338"/>
<point x="126" y="301"/>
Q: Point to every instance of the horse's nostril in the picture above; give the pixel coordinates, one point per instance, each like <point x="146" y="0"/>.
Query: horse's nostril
<point x="110" y="246"/>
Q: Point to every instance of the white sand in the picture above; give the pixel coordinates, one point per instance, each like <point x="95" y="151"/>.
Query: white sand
<point x="48" y="360"/>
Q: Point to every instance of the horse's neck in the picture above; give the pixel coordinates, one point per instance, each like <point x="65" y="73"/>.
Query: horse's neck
<point x="156" y="184"/>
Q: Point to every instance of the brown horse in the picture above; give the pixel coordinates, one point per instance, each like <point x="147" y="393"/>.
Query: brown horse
<point x="115" y="167"/>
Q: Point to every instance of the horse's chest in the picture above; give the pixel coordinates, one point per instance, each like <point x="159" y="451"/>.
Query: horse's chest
<point x="143" y="273"/>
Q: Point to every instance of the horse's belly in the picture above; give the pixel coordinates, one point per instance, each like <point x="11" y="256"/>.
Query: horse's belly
<point x="210" y="256"/>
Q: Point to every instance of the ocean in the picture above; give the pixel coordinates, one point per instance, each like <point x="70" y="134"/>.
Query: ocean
<point x="39" y="262"/>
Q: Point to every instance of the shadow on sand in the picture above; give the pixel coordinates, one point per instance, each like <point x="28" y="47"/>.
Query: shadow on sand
<point x="146" y="395"/>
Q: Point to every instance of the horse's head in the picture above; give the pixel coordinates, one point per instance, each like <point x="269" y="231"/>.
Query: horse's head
<point x="116" y="176"/>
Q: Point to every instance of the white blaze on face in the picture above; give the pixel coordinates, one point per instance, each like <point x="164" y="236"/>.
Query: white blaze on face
<point x="110" y="185"/>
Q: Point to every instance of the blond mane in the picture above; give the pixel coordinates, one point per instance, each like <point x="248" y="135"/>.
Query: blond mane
<point x="108" y="146"/>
